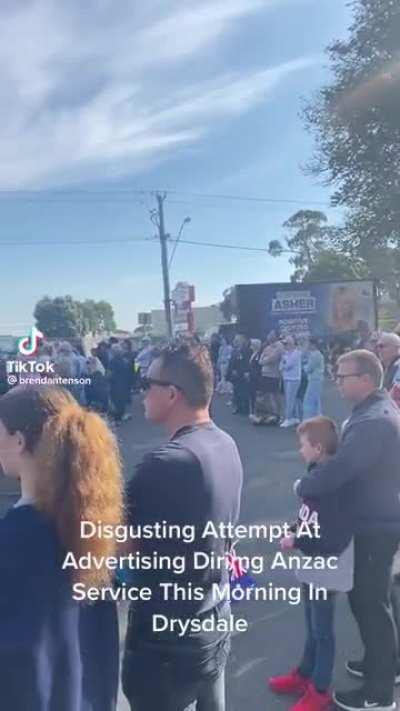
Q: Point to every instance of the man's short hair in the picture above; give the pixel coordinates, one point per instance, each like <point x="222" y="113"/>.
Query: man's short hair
<point x="320" y="430"/>
<point x="189" y="367"/>
<point x="366" y="363"/>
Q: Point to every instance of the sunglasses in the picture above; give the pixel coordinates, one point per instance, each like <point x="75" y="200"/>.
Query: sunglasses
<point x="148" y="382"/>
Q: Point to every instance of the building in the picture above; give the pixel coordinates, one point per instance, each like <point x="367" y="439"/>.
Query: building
<point x="206" y="319"/>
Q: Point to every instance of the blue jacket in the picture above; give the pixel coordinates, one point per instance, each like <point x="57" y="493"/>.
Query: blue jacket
<point x="55" y="654"/>
<point x="366" y="466"/>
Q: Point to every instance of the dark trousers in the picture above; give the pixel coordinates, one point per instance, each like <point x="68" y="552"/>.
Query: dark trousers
<point x="119" y="402"/>
<point x="241" y="396"/>
<point x="156" y="685"/>
<point x="371" y="607"/>
<point x="319" y="649"/>
<point x="395" y="601"/>
<point x="175" y="674"/>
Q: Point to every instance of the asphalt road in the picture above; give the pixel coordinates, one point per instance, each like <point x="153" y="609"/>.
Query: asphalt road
<point x="274" y="638"/>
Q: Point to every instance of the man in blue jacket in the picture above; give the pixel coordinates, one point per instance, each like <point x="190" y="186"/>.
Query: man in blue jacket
<point x="367" y="464"/>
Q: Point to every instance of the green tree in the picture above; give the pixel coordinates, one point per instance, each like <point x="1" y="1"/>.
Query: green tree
<point x="356" y="124"/>
<point x="330" y="265"/>
<point x="58" y="318"/>
<point x="307" y="234"/>
<point x="63" y="317"/>
<point x="105" y="316"/>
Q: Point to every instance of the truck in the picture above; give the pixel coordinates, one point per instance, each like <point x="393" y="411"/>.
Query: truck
<point x="330" y="311"/>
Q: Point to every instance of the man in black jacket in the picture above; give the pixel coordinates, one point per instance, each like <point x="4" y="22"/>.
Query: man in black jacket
<point x="239" y="375"/>
<point x="367" y="464"/>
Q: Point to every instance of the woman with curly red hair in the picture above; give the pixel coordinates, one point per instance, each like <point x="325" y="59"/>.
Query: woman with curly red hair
<point x="56" y="654"/>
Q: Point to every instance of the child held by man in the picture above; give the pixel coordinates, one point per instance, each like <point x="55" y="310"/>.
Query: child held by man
<point x="329" y="522"/>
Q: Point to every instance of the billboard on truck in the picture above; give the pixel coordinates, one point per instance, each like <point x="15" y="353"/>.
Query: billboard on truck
<point x="327" y="310"/>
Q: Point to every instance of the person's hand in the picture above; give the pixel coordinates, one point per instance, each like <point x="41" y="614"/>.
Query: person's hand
<point x="287" y="543"/>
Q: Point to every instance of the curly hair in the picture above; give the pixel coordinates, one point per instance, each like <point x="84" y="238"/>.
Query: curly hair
<point x="79" y="464"/>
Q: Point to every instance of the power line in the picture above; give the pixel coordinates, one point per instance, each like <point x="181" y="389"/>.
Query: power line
<point x="47" y="195"/>
<point x="149" y="240"/>
<point x="249" y="198"/>
<point x="73" y="191"/>
<point x="75" y="242"/>
<point x="222" y="246"/>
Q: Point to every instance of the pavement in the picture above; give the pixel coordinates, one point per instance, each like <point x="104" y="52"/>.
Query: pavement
<point x="274" y="639"/>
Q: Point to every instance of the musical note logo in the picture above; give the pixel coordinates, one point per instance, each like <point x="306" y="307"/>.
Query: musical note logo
<point x="29" y="345"/>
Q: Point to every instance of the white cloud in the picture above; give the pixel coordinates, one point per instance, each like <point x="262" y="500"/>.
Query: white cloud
<point x="96" y="92"/>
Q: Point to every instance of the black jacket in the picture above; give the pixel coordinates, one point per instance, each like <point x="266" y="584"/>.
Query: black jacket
<point x="332" y="516"/>
<point x="391" y="374"/>
<point x="239" y="365"/>
<point x="366" y="466"/>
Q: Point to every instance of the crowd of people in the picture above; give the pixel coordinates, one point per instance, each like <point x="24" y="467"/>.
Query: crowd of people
<point x="280" y="381"/>
<point x="59" y="654"/>
<point x="103" y="379"/>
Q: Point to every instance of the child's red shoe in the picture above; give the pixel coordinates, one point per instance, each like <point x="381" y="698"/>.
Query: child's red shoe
<point x="292" y="683"/>
<point x="313" y="700"/>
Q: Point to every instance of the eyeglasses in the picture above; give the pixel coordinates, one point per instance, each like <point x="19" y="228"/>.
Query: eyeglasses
<point x="148" y="382"/>
<point x="342" y="376"/>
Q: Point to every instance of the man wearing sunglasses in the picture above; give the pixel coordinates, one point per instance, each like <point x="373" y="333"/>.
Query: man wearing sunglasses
<point x="367" y="465"/>
<point x="195" y="478"/>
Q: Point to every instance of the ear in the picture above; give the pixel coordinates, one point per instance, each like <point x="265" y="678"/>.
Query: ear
<point x="173" y="393"/>
<point x="20" y="440"/>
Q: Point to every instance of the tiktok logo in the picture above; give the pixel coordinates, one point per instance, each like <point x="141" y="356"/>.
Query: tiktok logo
<point x="29" y="345"/>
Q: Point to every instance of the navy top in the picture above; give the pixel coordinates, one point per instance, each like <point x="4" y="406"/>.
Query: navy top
<point x="194" y="479"/>
<point x="55" y="653"/>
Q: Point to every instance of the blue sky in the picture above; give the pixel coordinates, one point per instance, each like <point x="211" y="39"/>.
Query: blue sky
<point x="101" y="100"/>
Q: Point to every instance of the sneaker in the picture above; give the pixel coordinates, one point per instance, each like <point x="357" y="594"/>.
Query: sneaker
<point x="313" y="700"/>
<point x="126" y="417"/>
<point x="286" y="423"/>
<point x="292" y="683"/>
<point x="358" y="700"/>
<point x="357" y="669"/>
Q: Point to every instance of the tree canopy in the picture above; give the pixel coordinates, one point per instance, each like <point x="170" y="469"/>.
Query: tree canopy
<point x="356" y="123"/>
<point x="64" y="317"/>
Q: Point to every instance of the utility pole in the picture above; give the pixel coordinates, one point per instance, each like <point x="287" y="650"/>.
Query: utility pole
<point x="164" y="261"/>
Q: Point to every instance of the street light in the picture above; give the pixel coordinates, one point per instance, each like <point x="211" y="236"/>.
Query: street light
<point x="185" y="222"/>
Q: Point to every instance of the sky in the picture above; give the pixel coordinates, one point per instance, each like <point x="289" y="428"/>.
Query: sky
<point x="103" y="103"/>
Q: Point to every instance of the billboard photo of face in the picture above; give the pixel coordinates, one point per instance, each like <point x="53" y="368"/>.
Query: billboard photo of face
<point x="349" y="304"/>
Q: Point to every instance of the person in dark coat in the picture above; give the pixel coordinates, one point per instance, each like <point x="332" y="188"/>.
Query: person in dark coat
<point x="120" y="382"/>
<point x="57" y="653"/>
<point x="366" y="465"/>
<point x="239" y="375"/>
<point x="97" y="391"/>
<point x="255" y="373"/>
